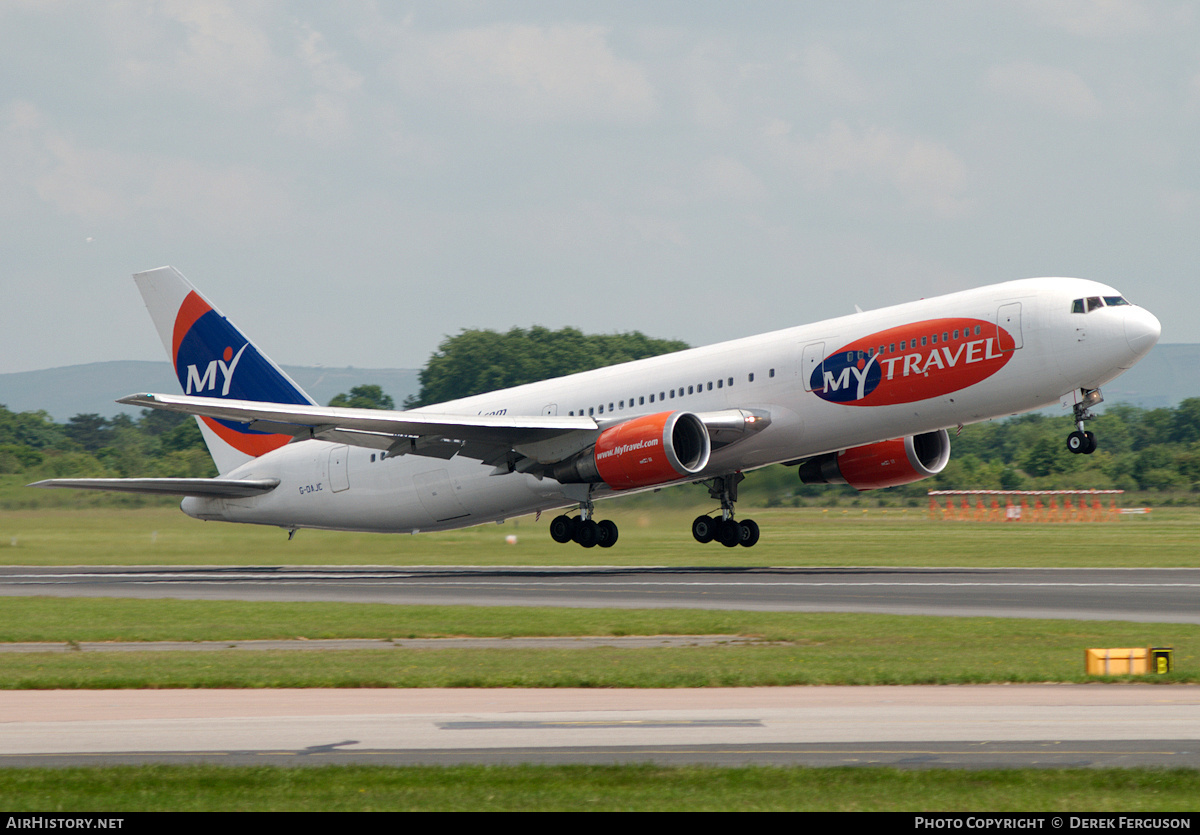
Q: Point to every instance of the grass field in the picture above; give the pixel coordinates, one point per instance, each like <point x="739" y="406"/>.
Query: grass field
<point x="594" y="788"/>
<point x="791" y="537"/>
<point x="780" y="648"/>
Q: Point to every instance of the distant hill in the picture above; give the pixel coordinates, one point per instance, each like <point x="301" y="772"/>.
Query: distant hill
<point x="1171" y="373"/>
<point x="93" y="388"/>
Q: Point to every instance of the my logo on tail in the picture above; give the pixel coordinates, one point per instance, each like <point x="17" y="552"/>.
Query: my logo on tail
<point x="213" y="359"/>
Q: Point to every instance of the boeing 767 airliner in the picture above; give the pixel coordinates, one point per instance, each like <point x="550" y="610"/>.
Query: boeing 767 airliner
<point x="863" y="400"/>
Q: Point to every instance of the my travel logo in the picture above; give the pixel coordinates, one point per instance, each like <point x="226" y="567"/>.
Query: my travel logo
<point x="912" y="362"/>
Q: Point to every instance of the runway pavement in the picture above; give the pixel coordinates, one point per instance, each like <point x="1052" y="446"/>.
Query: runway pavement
<point x="1153" y="595"/>
<point x="912" y="727"/>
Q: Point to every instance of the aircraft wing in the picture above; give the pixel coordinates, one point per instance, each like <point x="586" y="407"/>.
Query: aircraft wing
<point x="222" y="488"/>
<point x="488" y="438"/>
<point x="522" y="442"/>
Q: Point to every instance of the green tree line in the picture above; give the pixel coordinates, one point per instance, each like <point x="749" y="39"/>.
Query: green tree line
<point x="1139" y="449"/>
<point x="478" y="361"/>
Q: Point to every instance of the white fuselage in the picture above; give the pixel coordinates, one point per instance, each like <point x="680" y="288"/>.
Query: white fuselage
<point x="1052" y="352"/>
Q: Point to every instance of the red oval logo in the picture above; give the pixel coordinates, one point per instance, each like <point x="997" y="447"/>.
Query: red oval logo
<point x="913" y="362"/>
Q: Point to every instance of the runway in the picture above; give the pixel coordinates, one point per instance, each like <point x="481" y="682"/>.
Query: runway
<point x="1148" y="595"/>
<point x="910" y="727"/>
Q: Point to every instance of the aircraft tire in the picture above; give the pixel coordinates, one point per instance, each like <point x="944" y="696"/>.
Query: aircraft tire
<point x="588" y="536"/>
<point x="1076" y="442"/>
<point x="1090" y="447"/>
<point x="749" y="533"/>
<point x="729" y="533"/>
<point x="561" y="529"/>
<point x="607" y="533"/>
<point x="704" y="528"/>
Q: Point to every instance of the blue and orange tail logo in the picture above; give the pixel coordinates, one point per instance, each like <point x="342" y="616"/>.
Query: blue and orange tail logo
<point x="912" y="362"/>
<point x="213" y="359"/>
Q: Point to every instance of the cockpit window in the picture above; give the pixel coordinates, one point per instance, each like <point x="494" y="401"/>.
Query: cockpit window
<point x="1096" y="302"/>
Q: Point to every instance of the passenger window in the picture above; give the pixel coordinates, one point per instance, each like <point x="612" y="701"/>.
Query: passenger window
<point x="924" y="341"/>
<point x="934" y="340"/>
<point x="752" y="376"/>
<point x="720" y="383"/>
<point x="731" y="381"/>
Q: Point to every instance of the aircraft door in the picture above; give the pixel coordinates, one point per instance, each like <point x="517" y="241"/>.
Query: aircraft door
<point x="550" y="409"/>
<point x="1008" y="318"/>
<point x="339" y="468"/>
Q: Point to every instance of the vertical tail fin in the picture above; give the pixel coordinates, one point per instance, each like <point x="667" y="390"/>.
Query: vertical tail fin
<point x="212" y="358"/>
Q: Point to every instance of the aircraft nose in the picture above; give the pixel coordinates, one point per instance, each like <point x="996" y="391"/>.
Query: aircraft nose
<point x="1142" y="330"/>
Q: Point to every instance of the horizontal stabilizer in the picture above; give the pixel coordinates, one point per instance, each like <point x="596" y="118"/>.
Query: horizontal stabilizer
<point x="220" y="488"/>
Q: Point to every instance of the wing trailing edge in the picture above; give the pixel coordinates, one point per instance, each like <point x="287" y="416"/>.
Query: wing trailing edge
<point x="218" y="488"/>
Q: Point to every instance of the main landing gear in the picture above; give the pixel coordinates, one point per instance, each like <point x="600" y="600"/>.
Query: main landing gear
<point x="584" y="529"/>
<point x="726" y="529"/>
<point x="1081" y="441"/>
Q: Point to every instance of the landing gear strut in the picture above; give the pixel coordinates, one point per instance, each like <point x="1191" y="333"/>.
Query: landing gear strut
<point x="725" y="530"/>
<point x="583" y="529"/>
<point x="1082" y="441"/>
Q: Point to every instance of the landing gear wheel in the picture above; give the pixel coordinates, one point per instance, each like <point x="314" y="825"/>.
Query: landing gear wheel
<point x="606" y="533"/>
<point x="748" y="531"/>
<point x="729" y="533"/>
<point x="1090" y="447"/>
<point x="588" y="534"/>
<point x="704" y="529"/>
<point x="561" y="529"/>
<point x="1076" y="442"/>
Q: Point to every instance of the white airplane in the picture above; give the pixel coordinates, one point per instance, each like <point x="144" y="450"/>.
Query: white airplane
<point x="863" y="400"/>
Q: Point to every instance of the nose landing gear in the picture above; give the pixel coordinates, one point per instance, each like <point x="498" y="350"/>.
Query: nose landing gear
<point x="1082" y="441"/>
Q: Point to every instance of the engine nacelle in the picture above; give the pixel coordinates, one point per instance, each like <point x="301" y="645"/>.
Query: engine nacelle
<point x="648" y="450"/>
<point x="882" y="464"/>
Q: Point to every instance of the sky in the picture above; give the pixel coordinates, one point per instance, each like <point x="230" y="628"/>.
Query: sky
<point x="352" y="182"/>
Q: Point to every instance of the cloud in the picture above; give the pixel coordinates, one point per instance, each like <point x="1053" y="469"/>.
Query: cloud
<point x="1092" y="18"/>
<point x="1051" y="89"/>
<point x="725" y="178"/>
<point x="325" y="116"/>
<point x="209" y="49"/>
<point x="99" y="185"/>
<point x="523" y="72"/>
<point x="926" y="175"/>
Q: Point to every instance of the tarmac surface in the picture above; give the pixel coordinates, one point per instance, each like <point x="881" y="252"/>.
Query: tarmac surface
<point x="1148" y="595"/>
<point x="911" y="727"/>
